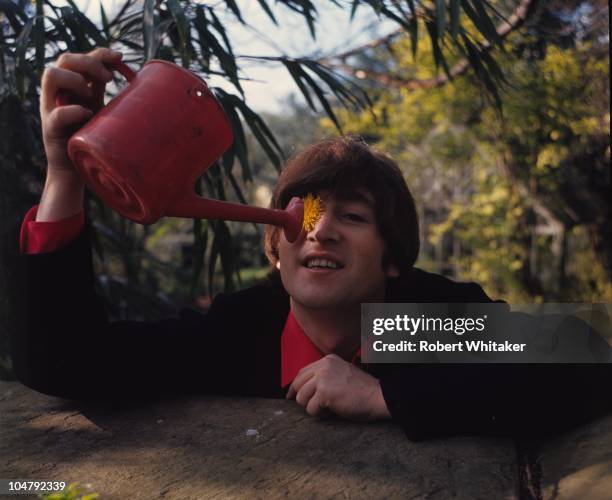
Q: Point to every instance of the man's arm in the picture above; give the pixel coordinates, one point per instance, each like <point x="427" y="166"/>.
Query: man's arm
<point x="501" y="400"/>
<point x="65" y="345"/>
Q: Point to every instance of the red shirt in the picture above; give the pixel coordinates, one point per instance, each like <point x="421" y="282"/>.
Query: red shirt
<point x="297" y="350"/>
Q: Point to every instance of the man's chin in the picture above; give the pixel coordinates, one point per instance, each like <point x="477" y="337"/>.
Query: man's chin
<point x="320" y="301"/>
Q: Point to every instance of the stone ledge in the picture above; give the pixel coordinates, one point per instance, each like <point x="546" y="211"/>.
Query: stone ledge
<point x="212" y="447"/>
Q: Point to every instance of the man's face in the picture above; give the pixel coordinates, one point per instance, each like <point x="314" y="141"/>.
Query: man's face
<point x="339" y="263"/>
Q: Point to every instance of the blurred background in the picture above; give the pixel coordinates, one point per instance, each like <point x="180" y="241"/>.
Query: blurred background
<point x="498" y="113"/>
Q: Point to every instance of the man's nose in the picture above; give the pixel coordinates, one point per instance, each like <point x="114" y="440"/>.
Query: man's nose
<point x="325" y="229"/>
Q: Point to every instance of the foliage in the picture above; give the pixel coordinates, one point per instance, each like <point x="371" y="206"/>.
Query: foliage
<point x="518" y="200"/>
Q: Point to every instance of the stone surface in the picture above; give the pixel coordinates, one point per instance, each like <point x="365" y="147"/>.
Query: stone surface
<point x="578" y="464"/>
<point x="207" y="447"/>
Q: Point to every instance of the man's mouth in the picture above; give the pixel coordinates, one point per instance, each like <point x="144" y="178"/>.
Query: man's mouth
<point x="317" y="263"/>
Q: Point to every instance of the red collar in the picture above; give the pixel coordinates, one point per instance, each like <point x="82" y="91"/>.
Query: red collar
<point x="297" y="351"/>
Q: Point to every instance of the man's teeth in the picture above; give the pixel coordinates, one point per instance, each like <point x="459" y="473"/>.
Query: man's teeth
<point x="322" y="263"/>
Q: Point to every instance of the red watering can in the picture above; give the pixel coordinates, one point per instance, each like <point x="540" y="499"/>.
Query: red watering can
<point x="142" y="153"/>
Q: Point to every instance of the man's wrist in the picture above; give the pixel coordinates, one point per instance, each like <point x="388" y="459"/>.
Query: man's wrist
<point x="381" y="411"/>
<point x="62" y="196"/>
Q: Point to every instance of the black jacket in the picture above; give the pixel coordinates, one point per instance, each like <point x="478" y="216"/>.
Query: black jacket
<point x="64" y="345"/>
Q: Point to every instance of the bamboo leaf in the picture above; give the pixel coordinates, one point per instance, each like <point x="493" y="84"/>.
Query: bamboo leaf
<point x="88" y="27"/>
<point x="485" y="26"/>
<point x="39" y="38"/>
<point x="209" y="44"/>
<point x="440" y="17"/>
<point x="439" y="58"/>
<point x="12" y="11"/>
<point x="62" y="33"/>
<point x="266" y="7"/>
<point x="182" y="25"/>
<point x="413" y="28"/>
<point x="473" y="56"/>
<point x="81" y="42"/>
<point x="295" y="72"/>
<point x="455" y="14"/>
<point x="411" y="7"/>
<point x="234" y="8"/>
<point x="239" y="146"/>
<point x="148" y="29"/>
<point x="354" y="6"/>
<point x="260" y="131"/>
<point x="321" y="96"/>
<point x="488" y="23"/>
<point x="21" y="44"/>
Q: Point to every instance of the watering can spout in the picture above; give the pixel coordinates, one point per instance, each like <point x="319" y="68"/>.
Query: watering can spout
<point x="195" y="207"/>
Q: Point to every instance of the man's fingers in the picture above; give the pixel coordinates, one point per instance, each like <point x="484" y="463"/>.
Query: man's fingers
<point x="106" y="55"/>
<point x="306" y="392"/>
<point x="315" y="406"/>
<point x="55" y="79"/>
<point x="68" y="116"/>
<point x="302" y="377"/>
<point x="91" y="64"/>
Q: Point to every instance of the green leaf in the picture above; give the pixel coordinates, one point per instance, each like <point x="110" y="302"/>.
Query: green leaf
<point x="474" y="58"/>
<point x="411" y="7"/>
<point x="488" y="23"/>
<point x="148" y="29"/>
<point x="81" y="42"/>
<point x="354" y="6"/>
<point x="88" y="27"/>
<point x="439" y="58"/>
<point x="321" y="96"/>
<point x="261" y="132"/>
<point x="234" y="8"/>
<point x="266" y="7"/>
<point x="484" y="25"/>
<point x="12" y="11"/>
<point x="441" y="17"/>
<point x="209" y="44"/>
<point x="240" y="145"/>
<point x="182" y="25"/>
<point x="105" y="23"/>
<point x="343" y="95"/>
<point x="21" y="44"/>
<point x="455" y="14"/>
<point x="39" y="38"/>
<point x="62" y="33"/>
<point x="295" y="71"/>
<point x="413" y="28"/>
<point x="307" y="10"/>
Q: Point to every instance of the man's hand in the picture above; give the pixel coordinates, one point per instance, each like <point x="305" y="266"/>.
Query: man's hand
<point x="338" y="386"/>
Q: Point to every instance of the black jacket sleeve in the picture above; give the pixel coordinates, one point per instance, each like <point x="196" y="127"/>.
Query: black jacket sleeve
<point x="499" y="400"/>
<point x="64" y="344"/>
<point x="432" y="400"/>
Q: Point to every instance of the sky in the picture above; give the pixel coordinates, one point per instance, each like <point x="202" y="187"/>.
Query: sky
<point x="270" y="84"/>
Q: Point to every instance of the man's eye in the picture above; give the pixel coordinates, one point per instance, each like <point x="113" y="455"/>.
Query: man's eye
<point x="353" y="217"/>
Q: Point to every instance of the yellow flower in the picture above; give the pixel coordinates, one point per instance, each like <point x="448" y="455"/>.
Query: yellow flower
<point x="312" y="212"/>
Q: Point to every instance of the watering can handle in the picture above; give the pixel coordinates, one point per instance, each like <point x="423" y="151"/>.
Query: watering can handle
<point x="64" y="97"/>
<point x="194" y="206"/>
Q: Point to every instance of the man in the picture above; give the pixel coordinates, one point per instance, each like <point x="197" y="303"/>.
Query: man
<point x="296" y="335"/>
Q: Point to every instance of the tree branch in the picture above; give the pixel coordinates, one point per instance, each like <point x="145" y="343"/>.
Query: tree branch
<point x="518" y="17"/>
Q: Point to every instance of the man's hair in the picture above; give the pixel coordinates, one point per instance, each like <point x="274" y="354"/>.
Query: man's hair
<point x="344" y="166"/>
